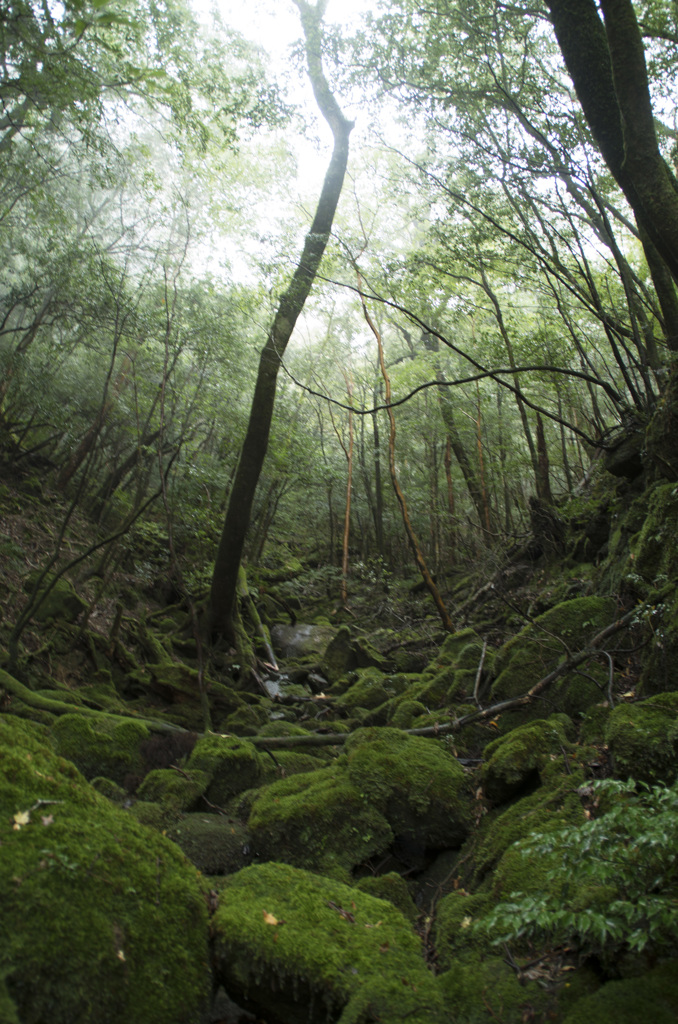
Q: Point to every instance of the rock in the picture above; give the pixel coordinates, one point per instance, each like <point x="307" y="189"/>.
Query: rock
<point x="415" y="782"/>
<point x="513" y="763"/>
<point x="307" y="949"/>
<point x="61" y="602"/>
<point x="231" y="764"/>
<point x="301" y="640"/>
<point x="652" y="997"/>
<point x="102" y="919"/>
<point x="643" y="739"/>
<point x="319" y="821"/>
<point x="103" y="746"/>
<point x="217" y="845"/>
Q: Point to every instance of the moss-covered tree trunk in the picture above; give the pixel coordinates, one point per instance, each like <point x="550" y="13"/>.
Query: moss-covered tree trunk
<point x="229" y="554"/>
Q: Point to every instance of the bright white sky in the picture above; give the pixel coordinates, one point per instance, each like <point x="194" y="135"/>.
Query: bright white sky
<point x="275" y="25"/>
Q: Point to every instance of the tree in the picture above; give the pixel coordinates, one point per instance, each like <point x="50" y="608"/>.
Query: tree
<point x="606" y="60"/>
<point x="229" y="553"/>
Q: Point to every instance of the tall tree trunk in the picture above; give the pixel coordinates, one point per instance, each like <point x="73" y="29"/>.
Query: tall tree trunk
<point x="229" y="554"/>
<point x="347" y="509"/>
<point x="411" y="536"/>
<point x="606" y="62"/>
<point x="452" y="533"/>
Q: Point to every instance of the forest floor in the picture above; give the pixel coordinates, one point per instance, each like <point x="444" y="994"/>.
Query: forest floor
<point x="340" y="836"/>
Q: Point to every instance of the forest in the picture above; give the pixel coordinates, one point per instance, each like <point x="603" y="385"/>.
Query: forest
<point x="338" y="512"/>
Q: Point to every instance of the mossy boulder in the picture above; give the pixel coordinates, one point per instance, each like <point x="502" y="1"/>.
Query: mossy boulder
<point x="454" y="931"/>
<point x="307" y="949"/>
<point x="391" y="887"/>
<point x="318" y="820"/>
<point x="62" y="601"/>
<point x="232" y="766"/>
<point x="551" y="807"/>
<point x="302" y="640"/>
<point x="102" y="746"/>
<point x="369" y="689"/>
<point x="643" y="739"/>
<point x="544" y="643"/>
<point x="339" y="657"/>
<point x="651" y="997"/>
<point x="102" y="919"/>
<point x="415" y="782"/>
<point x="217" y="845"/>
<point x="453" y="645"/>
<point x="180" y="790"/>
<point x="345" y="654"/>
<point x="246" y="721"/>
<point x="482" y="991"/>
<point x="515" y="762"/>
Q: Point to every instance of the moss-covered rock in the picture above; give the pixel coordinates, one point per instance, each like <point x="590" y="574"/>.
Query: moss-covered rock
<point x="62" y="601"/>
<point x="480" y="991"/>
<point x="246" y="721"/>
<point x="513" y="763"/>
<point x="652" y="997"/>
<point x="391" y="887"/>
<point x="232" y="766"/>
<point x="552" y="807"/>
<point x="369" y="689"/>
<point x="308" y="949"/>
<point x="180" y="790"/>
<point x="318" y="820"/>
<point x="643" y="739"/>
<point x="415" y="782"/>
<point x="454" y="931"/>
<point x="101" y="746"/>
<point x="217" y="845"/>
<point x="102" y="919"/>
<point x="339" y="657"/>
<point x="541" y="645"/>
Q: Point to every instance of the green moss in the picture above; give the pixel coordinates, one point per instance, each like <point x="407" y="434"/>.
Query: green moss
<point x="548" y="809"/>
<point x="480" y="991"/>
<point x="369" y="690"/>
<point x="514" y="762"/>
<point x="454" y="933"/>
<point x="102" y="920"/>
<point x="452" y="647"/>
<point x="318" y="820"/>
<point x="652" y="997"/>
<point x="331" y="952"/>
<point x="643" y="739"/>
<point x="405" y="713"/>
<point x="541" y="645"/>
<point x="393" y="888"/>
<point x="217" y="845"/>
<point x="101" y="746"/>
<point x="246" y="721"/>
<point x="339" y="657"/>
<point x="180" y="790"/>
<point x="154" y="815"/>
<point x="109" y="789"/>
<point x="414" y="781"/>
<point x="61" y="602"/>
<point x="232" y="765"/>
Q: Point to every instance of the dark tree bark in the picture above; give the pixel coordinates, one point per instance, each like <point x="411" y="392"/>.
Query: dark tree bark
<point x="606" y="62"/>
<point x="229" y="554"/>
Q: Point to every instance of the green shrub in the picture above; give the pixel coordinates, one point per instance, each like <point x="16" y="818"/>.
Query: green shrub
<point x="613" y="883"/>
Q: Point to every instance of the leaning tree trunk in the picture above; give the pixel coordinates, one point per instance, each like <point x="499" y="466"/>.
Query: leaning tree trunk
<point x="606" y="62"/>
<point x="229" y="554"/>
